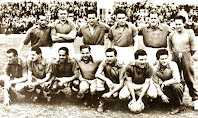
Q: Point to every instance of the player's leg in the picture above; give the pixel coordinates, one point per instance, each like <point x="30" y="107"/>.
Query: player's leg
<point x="124" y="93"/>
<point x="83" y="88"/>
<point x="152" y="91"/>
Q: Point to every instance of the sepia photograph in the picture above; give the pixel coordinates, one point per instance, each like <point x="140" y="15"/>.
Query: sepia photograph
<point x="98" y="58"/>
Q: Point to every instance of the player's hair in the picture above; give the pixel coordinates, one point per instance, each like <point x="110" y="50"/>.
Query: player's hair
<point x="92" y="11"/>
<point x="65" y="49"/>
<point x="140" y="52"/>
<point x="36" y="49"/>
<point x="63" y="9"/>
<point x="41" y="15"/>
<point x="120" y="11"/>
<point x="153" y="12"/>
<point x="161" y="52"/>
<point x="85" y="46"/>
<point x="111" y="50"/>
<point x="181" y="17"/>
<point x="70" y="11"/>
<point x="11" y="50"/>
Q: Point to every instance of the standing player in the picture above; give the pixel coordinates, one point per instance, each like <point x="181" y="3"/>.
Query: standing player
<point x="63" y="33"/>
<point x="113" y="76"/>
<point x="93" y="34"/>
<point x="121" y="36"/>
<point x="154" y="35"/>
<point x="88" y="67"/>
<point x="167" y="79"/>
<point x="139" y="76"/>
<point x="182" y="47"/>
<point x="39" y="36"/>
<point x="39" y="73"/>
<point x="15" y="75"/>
<point x="65" y="71"/>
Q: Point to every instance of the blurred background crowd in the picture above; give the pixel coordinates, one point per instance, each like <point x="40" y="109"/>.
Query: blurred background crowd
<point x="18" y="17"/>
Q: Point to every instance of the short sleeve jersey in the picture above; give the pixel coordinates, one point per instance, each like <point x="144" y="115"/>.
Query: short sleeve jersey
<point x="65" y="28"/>
<point x="98" y="36"/>
<point x="113" y="72"/>
<point x="123" y="38"/>
<point x="88" y="70"/>
<point x="156" y="38"/>
<point x="16" y="70"/>
<point x="39" y="68"/>
<point x="67" y="69"/>
<point x="39" y="37"/>
<point x="137" y="74"/>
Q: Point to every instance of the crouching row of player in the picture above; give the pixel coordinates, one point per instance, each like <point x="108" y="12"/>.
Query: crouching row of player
<point x="95" y="80"/>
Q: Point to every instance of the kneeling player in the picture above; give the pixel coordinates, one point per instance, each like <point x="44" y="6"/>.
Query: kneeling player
<point x="88" y="67"/>
<point x="15" y="75"/>
<point x="88" y="81"/>
<point x="138" y="75"/>
<point x="65" y="72"/>
<point x="113" y="76"/>
<point x="167" y="81"/>
<point x="39" y="72"/>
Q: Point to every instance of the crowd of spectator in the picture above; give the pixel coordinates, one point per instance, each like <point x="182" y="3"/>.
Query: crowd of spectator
<point x="19" y="17"/>
<point x="138" y="13"/>
<point x="16" y="18"/>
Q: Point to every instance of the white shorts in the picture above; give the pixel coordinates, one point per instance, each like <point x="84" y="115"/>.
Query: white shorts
<point x="90" y="81"/>
<point x="46" y="52"/>
<point x="151" y="92"/>
<point x="151" y="54"/>
<point x="97" y="51"/>
<point x="100" y="85"/>
<point x="125" y="54"/>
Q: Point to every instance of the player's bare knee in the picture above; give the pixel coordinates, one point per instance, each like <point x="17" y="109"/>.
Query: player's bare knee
<point x="84" y="86"/>
<point x="123" y="96"/>
<point x="93" y="88"/>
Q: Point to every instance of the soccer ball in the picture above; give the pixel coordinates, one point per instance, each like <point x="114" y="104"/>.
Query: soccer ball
<point x="136" y="107"/>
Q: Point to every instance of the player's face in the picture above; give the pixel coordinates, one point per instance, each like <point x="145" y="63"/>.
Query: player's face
<point x="154" y="20"/>
<point x="11" y="58"/>
<point x="85" y="54"/>
<point x="34" y="56"/>
<point x="121" y="19"/>
<point x="62" y="15"/>
<point x="142" y="60"/>
<point x="179" y="25"/>
<point x="91" y="19"/>
<point x="110" y="57"/>
<point x="42" y="21"/>
<point x="71" y="17"/>
<point x="62" y="55"/>
<point x="163" y="60"/>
